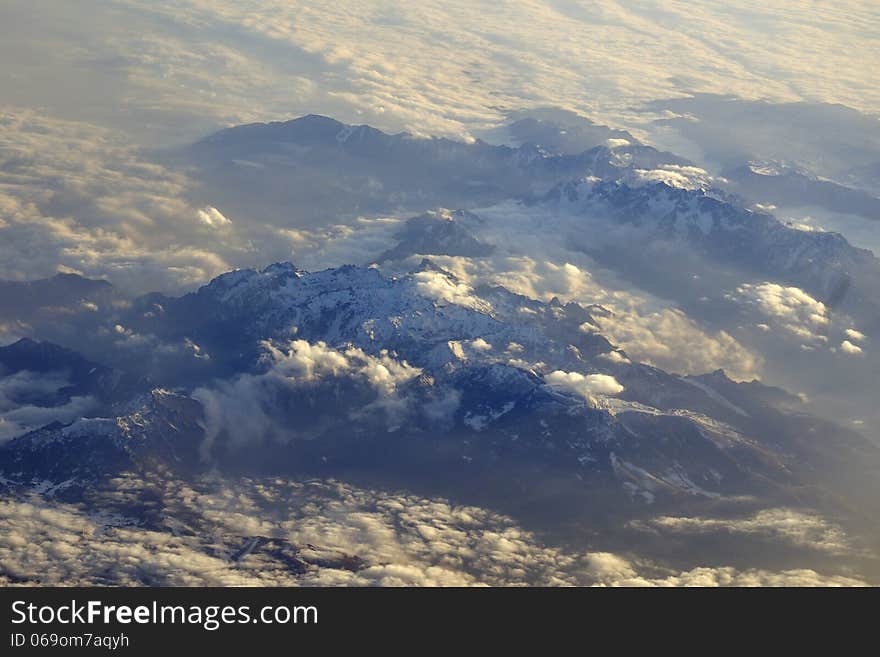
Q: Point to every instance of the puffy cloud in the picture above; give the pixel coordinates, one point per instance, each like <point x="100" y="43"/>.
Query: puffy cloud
<point x="332" y="244"/>
<point x="587" y="386"/>
<point x="544" y="279"/>
<point x="75" y="197"/>
<point x="727" y="576"/>
<point x="543" y="254"/>
<point x="126" y="337"/>
<point x="674" y="175"/>
<point x="616" y="143"/>
<point x="615" y="357"/>
<point x="25" y="383"/>
<point x="853" y="334"/>
<point x="807" y="228"/>
<point x="313" y="361"/>
<point x="22" y="419"/>
<point x="789" y="307"/>
<point x="71" y="547"/>
<point x="250" y="408"/>
<point x="211" y="216"/>
<point x="645" y="327"/>
<point x="848" y="347"/>
<point x="150" y="346"/>
<point x="670" y="339"/>
<point x="305" y="361"/>
<point x="80" y="198"/>
<point x="197" y="351"/>
<point x="438" y="285"/>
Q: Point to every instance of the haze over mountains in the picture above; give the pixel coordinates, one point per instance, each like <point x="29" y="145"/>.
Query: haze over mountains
<point x="575" y="293"/>
<point x="489" y="399"/>
<point x="560" y="352"/>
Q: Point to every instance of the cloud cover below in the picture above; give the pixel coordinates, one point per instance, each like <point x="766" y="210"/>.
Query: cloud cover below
<point x="403" y="540"/>
<point x="431" y="67"/>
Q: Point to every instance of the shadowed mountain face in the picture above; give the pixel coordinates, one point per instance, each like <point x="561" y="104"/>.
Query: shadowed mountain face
<point x="793" y="188"/>
<point x="436" y="234"/>
<point x="24" y="300"/>
<point x="28" y="355"/>
<point x="566" y="134"/>
<point x="325" y="169"/>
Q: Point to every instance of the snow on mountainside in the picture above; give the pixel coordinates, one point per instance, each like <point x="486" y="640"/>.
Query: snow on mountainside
<point x="633" y="185"/>
<point x="154" y="429"/>
<point x="421" y="316"/>
<point x="822" y="263"/>
<point x="422" y="374"/>
<point x="447" y="363"/>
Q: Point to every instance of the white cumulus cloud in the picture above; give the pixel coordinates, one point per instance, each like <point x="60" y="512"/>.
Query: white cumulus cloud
<point x="587" y="386"/>
<point x="211" y="216"/>
<point x="789" y="307"/>
<point x="849" y="348"/>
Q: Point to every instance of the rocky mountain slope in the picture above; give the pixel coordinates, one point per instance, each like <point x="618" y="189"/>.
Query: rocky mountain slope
<point x="420" y="377"/>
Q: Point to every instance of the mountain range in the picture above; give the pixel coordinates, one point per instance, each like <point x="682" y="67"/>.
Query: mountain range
<point x="345" y="369"/>
<point x="403" y="372"/>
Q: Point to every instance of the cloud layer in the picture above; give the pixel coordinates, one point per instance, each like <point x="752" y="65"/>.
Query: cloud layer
<point x="790" y="307"/>
<point x="78" y="198"/>
<point x="20" y="411"/>
<point x="195" y="530"/>
<point x="196" y="62"/>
